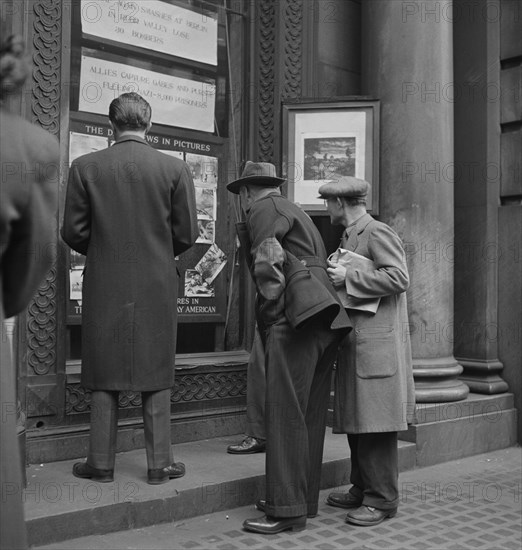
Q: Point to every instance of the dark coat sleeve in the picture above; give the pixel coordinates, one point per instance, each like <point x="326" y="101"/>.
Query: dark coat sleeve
<point x="183" y="214"/>
<point x="267" y="228"/>
<point x="32" y="245"/>
<point x="76" y="228"/>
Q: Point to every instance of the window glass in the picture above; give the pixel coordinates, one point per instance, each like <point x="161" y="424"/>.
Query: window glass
<point x="174" y="54"/>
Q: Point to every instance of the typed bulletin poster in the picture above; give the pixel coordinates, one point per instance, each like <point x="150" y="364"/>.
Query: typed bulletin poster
<point x="154" y="25"/>
<point x="175" y="101"/>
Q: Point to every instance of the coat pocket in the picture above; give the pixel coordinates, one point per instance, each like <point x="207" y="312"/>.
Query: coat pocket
<point x="376" y="352"/>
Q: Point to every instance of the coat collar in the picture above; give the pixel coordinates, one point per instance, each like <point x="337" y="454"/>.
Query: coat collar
<point x="258" y="200"/>
<point x="132" y="138"/>
<point x="350" y="239"/>
<point x="362" y="222"/>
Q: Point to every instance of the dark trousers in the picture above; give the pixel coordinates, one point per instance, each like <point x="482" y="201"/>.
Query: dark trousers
<point x="104" y="426"/>
<point x="298" y="377"/>
<point x="375" y="469"/>
<point x="256" y="390"/>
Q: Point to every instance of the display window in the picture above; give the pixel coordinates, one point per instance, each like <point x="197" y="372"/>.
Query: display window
<point x="174" y="54"/>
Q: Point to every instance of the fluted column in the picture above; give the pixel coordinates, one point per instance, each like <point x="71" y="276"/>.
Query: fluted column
<point x="407" y="64"/>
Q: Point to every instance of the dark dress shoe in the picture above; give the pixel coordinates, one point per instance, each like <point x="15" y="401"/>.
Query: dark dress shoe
<point x="83" y="470"/>
<point x="268" y="525"/>
<point x="366" y="516"/>
<point x="248" y="446"/>
<point x="261" y="503"/>
<point x="343" y="500"/>
<point x="162" y="475"/>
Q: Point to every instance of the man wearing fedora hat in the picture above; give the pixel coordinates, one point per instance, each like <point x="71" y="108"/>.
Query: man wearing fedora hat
<point x="374" y="392"/>
<point x="301" y="323"/>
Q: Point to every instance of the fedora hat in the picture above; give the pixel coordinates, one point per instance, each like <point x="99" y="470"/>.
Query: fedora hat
<point x="256" y="173"/>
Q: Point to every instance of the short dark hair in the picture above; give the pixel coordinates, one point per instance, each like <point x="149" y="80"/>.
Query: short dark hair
<point x="130" y="112"/>
<point x="350" y="201"/>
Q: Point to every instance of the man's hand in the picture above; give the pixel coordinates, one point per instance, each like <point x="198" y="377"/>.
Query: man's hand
<point x="336" y="274"/>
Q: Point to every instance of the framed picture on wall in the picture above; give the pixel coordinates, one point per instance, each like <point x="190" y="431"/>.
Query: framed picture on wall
<point x="323" y="141"/>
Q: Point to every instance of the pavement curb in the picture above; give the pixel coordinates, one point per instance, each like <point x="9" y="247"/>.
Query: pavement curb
<point x="215" y="481"/>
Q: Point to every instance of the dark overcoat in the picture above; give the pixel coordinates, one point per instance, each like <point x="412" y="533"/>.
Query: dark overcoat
<point x="374" y="390"/>
<point x="29" y="163"/>
<point x="131" y="210"/>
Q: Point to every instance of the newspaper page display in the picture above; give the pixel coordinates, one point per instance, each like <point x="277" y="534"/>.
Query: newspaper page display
<point x="201" y="294"/>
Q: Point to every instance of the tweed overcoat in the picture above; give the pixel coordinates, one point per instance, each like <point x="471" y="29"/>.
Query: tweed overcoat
<point x="374" y="389"/>
<point x="130" y="209"/>
<point x="29" y="161"/>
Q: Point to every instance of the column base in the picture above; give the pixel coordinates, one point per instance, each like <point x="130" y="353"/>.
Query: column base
<point x="449" y="431"/>
<point x="436" y="380"/>
<point x="482" y="376"/>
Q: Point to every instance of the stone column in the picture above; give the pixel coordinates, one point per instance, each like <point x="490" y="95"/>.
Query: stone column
<point x="407" y="64"/>
<point x="478" y="102"/>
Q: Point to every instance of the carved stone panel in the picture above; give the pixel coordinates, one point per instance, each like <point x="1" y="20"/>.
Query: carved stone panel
<point x="45" y="107"/>
<point x="202" y="386"/>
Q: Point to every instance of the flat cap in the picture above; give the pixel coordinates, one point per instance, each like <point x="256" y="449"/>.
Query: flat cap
<point x="256" y="173"/>
<point x="345" y="186"/>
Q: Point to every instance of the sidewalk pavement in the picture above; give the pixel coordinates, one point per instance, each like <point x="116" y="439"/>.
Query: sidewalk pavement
<point x="471" y="503"/>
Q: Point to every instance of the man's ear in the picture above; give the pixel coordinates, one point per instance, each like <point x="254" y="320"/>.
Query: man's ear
<point x="247" y="192"/>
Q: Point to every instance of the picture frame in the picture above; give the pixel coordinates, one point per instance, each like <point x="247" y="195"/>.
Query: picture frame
<point x="325" y="140"/>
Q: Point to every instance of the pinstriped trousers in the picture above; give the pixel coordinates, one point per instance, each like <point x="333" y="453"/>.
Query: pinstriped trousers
<point x="298" y="379"/>
<point x="256" y="390"/>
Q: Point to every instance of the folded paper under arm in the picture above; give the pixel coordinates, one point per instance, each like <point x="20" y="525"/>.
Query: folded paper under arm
<point x="352" y="260"/>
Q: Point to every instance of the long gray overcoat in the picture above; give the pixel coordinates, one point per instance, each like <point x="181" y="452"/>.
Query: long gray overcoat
<point x="130" y="209"/>
<point x="374" y="389"/>
<point x="29" y="162"/>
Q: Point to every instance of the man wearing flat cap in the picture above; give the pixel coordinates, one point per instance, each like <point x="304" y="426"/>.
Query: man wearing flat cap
<point x="374" y="392"/>
<point x="301" y="323"/>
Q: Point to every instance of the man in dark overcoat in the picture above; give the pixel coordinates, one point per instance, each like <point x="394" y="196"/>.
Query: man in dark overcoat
<point x="29" y="164"/>
<point x="131" y="210"/>
<point x="374" y="390"/>
<point x="301" y="324"/>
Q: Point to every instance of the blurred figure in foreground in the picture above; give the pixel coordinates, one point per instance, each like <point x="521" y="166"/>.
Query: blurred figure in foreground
<point x="29" y="161"/>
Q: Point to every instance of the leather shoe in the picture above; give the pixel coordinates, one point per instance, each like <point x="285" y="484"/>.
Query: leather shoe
<point x="84" y="471"/>
<point x="158" y="476"/>
<point x="268" y="525"/>
<point x="343" y="500"/>
<point x="249" y="445"/>
<point x="261" y="504"/>
<point x="367" y="515"/>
